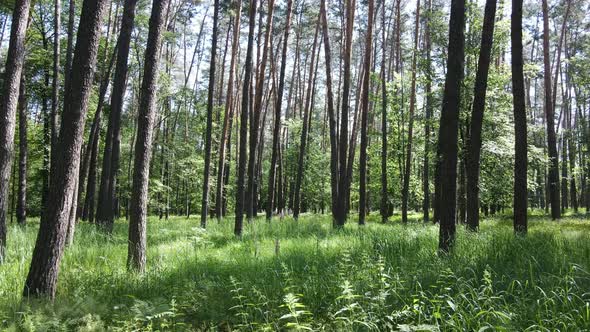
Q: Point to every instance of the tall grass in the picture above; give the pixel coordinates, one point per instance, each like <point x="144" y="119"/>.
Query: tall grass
<point x="305" y="276"/>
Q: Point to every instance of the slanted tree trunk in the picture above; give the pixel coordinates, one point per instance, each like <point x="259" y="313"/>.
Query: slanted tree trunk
<point x="550" y="122"/>
<point x="43" y="273"/>
<point x="365" y="115"/>
<point x="408" y="166"/>
<point x="221" y="169"/>
<point x="8" y="106"/>
<point x="70" y="45"/>
<point x="136" y="254"/>
<point x="240" y="188"/>
<point x="479" y="101"/>
<point x="277" y="118"/>
<point x="205" y="192"/>
<point x="105" y="214"/>
<point x="21" y="202"/>
<point x="447" y="138"/>
<point x="520" y="125"/>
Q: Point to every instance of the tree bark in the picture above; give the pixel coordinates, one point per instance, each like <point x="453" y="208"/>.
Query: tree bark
<point x="105" y="214"/>
<point x="43" y="273"/>
<point x="205" y="192"/>
<point x="550" y="117"/>
<point x="8" y="106"/>
<point x="221" y="169"/>
<point x="240" y="190"/>
<point x="447" y="138"/>
<point x="21" y="202"/>
<point x="520" y="125"/>
<point x="479" y="102"/>
<point x="341" y="206"/>
<point x="136" y="255"/>
<point x="365" y="114"/>
<point x="277" y="118"/>
<point x="55" y="82"/>
<point x="427" y="118"/>
<point x="408" y="166"/>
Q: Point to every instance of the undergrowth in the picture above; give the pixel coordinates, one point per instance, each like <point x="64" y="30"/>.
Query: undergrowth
<point x="289" y="275"/>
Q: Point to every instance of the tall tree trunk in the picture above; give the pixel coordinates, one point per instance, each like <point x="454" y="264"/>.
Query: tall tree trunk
<point x="427" y="118"/>
<point x="105" y="214"/>
<point x="341" y="206"/>
<point x="21" y="202"/>
<point x="305" y="130"/>
<point x="365" y="114"/>
<point x="240" y="190"/>
<point x="205" y="192"/>
<point x="255" y="116"/>
<point x="42" y="277"/>
<point x="408" y="166"/>
<point x="384" y="208"/>
<point x="55" y="82"/>
<point x="447" y="138"/>
<point x="70" y="45"/>
<point x="520" y="125"/>
<point x="550" y="117"/>
<point x="277" y="117"/>
<point x="479" y="102"/>
<point x="136" y="254"/>
<point x="8" y="105"/>
<point x="223" y="143"/>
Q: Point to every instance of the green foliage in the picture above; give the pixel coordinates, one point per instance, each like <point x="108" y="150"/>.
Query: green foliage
<point x="379" y="277"/>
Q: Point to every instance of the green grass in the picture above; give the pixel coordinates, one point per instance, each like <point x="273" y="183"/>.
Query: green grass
<point x="289" y="275"/>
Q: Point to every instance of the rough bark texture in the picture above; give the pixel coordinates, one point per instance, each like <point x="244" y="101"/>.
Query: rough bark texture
<point x="105" y="213"/>
<point x="277" y="117"/>
<point x="520" y="125"/>
<point x="136" y="254"/>
<point x="243" y="138"/>
<point x="479" y="102"/>
<point x="384" y="208"/>
<point x="427" y="119"/>
<point x="8" y="106"/>
<point x="365" y="115"/>
<point x="43" y="273"/>
<point x="205" y="192"/>
<point x="55" y="82"/>
<point x="447" y="138"/>
<point x="550" y="122"/>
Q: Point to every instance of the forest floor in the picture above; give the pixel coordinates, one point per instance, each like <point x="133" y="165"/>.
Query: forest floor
<point x="305" y="275"/>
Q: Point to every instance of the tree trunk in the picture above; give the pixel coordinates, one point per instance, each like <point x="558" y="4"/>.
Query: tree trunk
<point x="136" y="254"/>
<point x="255" y="116"/>
<point x="520" y="125"/>
<point x="277" y="118"/>
<point x="365" y="114"/>
<point x="479" y="102"/>
<point x="305" y="129"/>
<point x="105" y="214"/>
<point x="408" y="166"/>
<point x="341" y="206"/>
<point x="55" y="82"/>
<point x="221" y="169"/>
<point x="205" y="192"/>
<point x="549" y="114"/>
<point x="42" y="277"/>
<point x="240" y="190"/>
<point x="427" y="118"/>
<point x="21" y="202"/>
<point x="8" y="106"/>
<point x="447" y="138"/>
